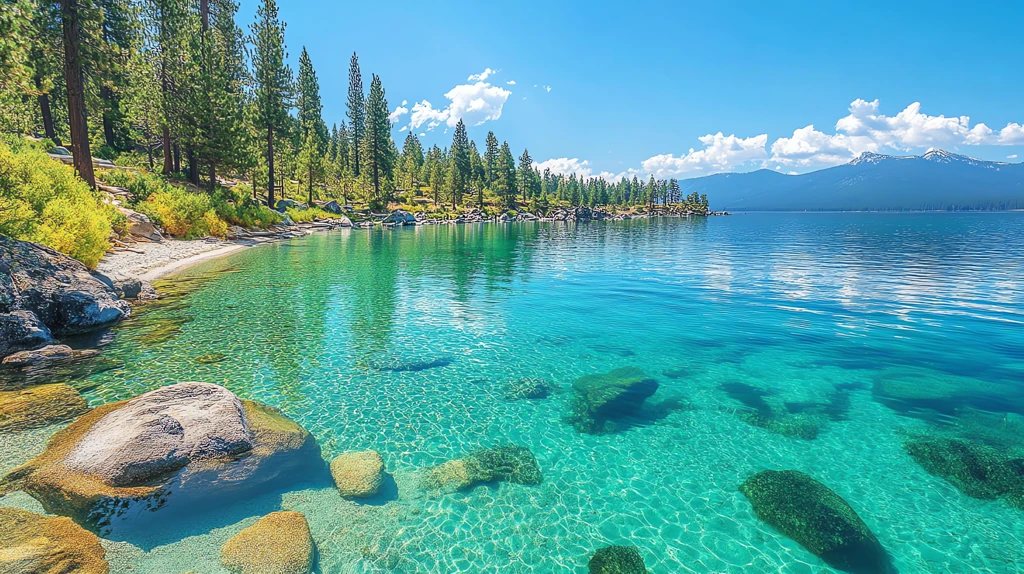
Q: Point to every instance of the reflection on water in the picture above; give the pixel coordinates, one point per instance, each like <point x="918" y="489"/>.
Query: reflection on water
<point x="832" y="344"/>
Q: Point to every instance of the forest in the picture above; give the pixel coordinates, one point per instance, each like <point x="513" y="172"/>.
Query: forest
<point x="193" y="104"/>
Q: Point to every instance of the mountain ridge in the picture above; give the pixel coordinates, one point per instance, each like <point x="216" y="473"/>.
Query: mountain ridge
<point x="936" y="180"/>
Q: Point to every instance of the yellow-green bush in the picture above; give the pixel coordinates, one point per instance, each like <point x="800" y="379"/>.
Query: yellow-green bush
<point x="311" y="214"/>
<point x="43" y="200"/>
<point x="183" y="213"/>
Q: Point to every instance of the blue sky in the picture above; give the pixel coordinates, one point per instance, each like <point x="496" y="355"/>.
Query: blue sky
<point x="645" y="87"/>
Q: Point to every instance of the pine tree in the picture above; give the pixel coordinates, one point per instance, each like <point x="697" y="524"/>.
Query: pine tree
<point x="273" y="79"/>
<point x="491" y="158"/>
<point x="525" y="174"/>
<point x="70" y="11"/>
<point x="356" y="113"/>
<point x="506" y="177"/>
<point x="460" y="164"/>
<point x="375" y="157"/>
<point x="310" y="163"/>
<point x="310" y="109"/>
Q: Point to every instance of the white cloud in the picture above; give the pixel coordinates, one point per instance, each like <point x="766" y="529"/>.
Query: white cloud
<point x="511" y="82"/>
<point x="404" y="128"/>
<point x="865" y="129"/>
<point x="1012" y="156"/>
<point x="473" y="103"/>
<point x="482" y="75"/>
<point x="581" y="168"/>
<point x="405" y="102"/>
<point x="720" y="153"/>
<point x="399" y="112"/>
<point x="423" y="134"/>
<point x="548" y="88"/>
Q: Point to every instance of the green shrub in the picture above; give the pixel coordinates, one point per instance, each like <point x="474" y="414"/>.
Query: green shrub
<point x="305" y="215"/>
<point x="141" y="185"/>
<point x="183" y="213"/>
<point x="43" y="200"/>
<point x="236" y="207"/>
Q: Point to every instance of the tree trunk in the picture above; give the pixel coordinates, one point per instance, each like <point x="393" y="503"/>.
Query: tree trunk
<point x="76" y="97"/>
<point x="213" y="176"/>
<point x="270" y="167"/>
<point x="177" y="158"/>
<point x="108" y="121"/>
<point x="149" y="152"/>
<point x="193" y="166"/>
<point x="168" y="161"/>
<point x="44" y="111"/>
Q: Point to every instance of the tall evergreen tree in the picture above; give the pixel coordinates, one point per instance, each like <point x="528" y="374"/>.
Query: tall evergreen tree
<point x="273" y="81"/>
<point x="310" y="109"/>
<point x="375" y="159"/>
<point x="71" y="21"/>
<point x="525" y="174"/>
<point x="460" y="163"/>
<point x="506" y="176"/>
<point x="356" y="113"/>
<point x="491" y="158"/>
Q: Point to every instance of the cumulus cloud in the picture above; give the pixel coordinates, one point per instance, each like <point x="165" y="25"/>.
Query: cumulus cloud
<point x="720" y="153"/>
<point x="1012" y="156"/>
<point x="511" y="82"/>
<point x="575" y="166"/>
<point x="473" y="103"/>
<point x="482" y="75"/>
<point x="399" y="112"/>
<point x="865" y="129"/>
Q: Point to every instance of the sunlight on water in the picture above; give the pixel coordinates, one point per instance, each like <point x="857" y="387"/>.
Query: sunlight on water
<point x="815" y="342"/>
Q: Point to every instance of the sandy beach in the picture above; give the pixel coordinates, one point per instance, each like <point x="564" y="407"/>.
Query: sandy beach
<point x="150" y="261"/>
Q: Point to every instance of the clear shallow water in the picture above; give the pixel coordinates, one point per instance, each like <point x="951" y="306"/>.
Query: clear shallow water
<point x="797" y="305"/>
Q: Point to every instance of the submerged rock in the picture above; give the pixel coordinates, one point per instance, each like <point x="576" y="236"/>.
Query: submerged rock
<point x="514" y="464"/>
<point x="604" y="397"/>
<point x="40" y="406"/>
<point x="33" y="543"/>
<point x="529" y="388"/>
<point x="136" y="289"/>
<point x="820" y="520"/>
<point x="22" y="330"/>
<point x="190" y="446"/>
<point x="911" y="392"/>
<point x="358" y="474"/>
<point x="975" y="469"/>
<point x="764" y="410"/>
<point x="793" y="426"/>
<point x="66" y="297"/>
<point x="37" y="356"/>
<point x="278" y="543"/>
<point x="617" y="560"/>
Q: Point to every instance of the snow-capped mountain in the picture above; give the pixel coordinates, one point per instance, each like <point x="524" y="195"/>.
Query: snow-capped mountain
<point x="937" y="180"/>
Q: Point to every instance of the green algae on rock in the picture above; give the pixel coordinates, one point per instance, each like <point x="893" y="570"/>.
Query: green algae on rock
<point x="358" y="474"/>
<point x="975" y="469"/>
<point x="278" y="543"/>
<point x="817" y="518"/>
<point x="165" y="449"/>
<point x="514" y="464"/>
<point x="617" y="560"/>
<point x="529" y="388"/>
<point x="41" y="406"/>
<point x="793" y="426"/>
<point x="32" y="542"/>
<point x="601" y="398"/>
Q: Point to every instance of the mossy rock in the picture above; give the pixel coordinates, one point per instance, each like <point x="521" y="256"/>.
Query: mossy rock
<point x="278" y="543"/>
<point x="793" y="426"/>
<point x="977" y="470"/>
<point x="617" y="560"/>
<point x="514" y="464"/>
<point x="33" y="543"/>
<point x="358" y="474"/>
<point x="601" y="398"/>
<point x="911" y="391"/>
<point x="41" y="406"/>
<point x="817" y="518"/>
<point x="529" y="388"/>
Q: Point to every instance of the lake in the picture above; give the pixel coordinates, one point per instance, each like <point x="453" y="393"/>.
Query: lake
<point x="824" y="343"/>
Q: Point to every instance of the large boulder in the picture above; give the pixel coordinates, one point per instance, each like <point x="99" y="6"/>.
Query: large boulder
<point x="975" y="469"/>
<point x="66" y="297"/>
<point x="913" y="392"/>
<point x="514" y="464"/>
<point x="184" y="446"/>
<point x="283" y="204"/>
<point x="140" y="226"/>
<point x="332" y="207"/>
<point x="278" y="543"/>
<point x="400" y="217"/>
<point x="606" y="397"/>
<point x="39" y="406"/>
<point x="33" y="543"/>
<point x="358" y="474"/>
<point x="617" y="560"/>
<point x="22" y="330"/>
<point x="818" y="519"/>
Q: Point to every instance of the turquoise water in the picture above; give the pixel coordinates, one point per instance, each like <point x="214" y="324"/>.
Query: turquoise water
<point x="808" y="309"/>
